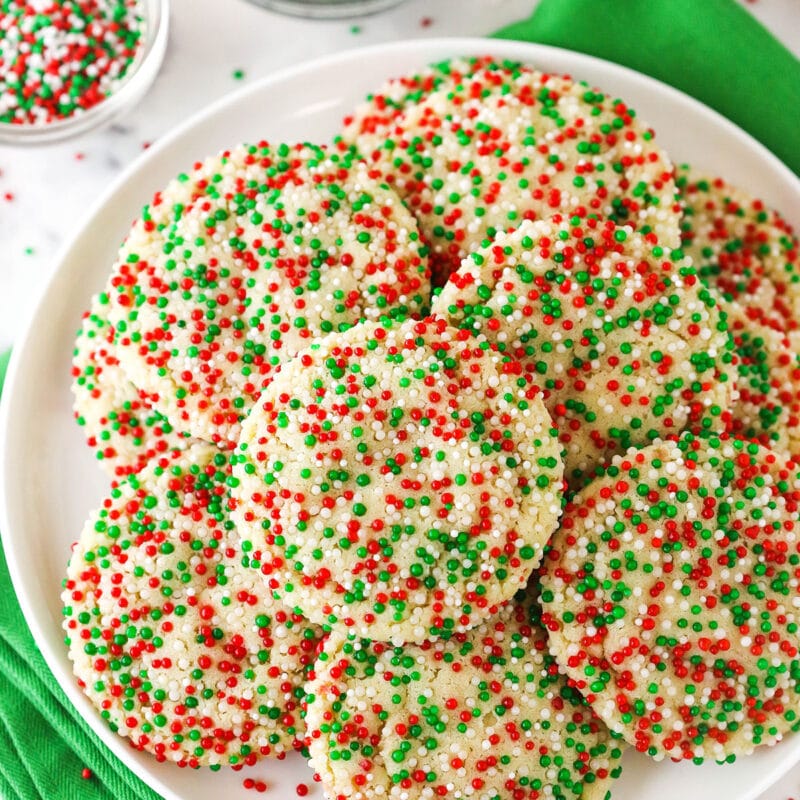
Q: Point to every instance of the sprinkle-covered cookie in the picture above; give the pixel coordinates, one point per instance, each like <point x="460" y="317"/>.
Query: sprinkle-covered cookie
<point x="483" y="715"/>
<point x="119" y="421"/>
<point x="671" y="593"/>
<point x="749" y="254"/>
<point x="474" y="146"/>
<point x="767" y="407"/>
<point x="742" y="247"/>
<point x="173" y="638"/>
<point x="240" y="263"/>
<point x="626" y="343"/>
<point x="403" y="480"/>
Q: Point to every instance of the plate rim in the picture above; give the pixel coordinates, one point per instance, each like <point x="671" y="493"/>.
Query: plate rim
<point x="457" y="46"/>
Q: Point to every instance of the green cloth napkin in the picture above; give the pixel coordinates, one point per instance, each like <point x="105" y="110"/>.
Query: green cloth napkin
<point x="713" y="50"/>
<point x="44" y="743"/>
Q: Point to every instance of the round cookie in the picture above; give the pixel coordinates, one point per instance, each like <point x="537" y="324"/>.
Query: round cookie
<point x="119" y="422"/>
<point x="474" y="146"/>
<point x="626" y="344"/>
<point x="173" y="638"/>
<point x="767" y="407"/>
<point x="742" y="247"/>
<point x="670" y="595"/>
<point x="403" y="479"/>
<point x="749" y="253"/>
<point x="483" y="714"/>
<point x="242" y="262"/>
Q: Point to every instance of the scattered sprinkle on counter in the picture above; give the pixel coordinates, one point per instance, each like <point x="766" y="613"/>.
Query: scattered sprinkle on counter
<point x="59" y="58"/>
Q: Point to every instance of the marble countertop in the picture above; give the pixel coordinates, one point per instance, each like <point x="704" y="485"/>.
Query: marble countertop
<point x="215" y="46"/>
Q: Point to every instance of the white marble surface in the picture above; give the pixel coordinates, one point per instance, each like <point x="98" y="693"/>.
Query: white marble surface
<point x="45" y="192"/>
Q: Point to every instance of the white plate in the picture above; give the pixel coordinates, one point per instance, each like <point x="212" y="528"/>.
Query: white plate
<point x="48" y="476"/>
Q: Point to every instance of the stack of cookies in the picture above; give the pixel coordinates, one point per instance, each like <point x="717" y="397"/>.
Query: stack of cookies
<point x="456" y="454"/>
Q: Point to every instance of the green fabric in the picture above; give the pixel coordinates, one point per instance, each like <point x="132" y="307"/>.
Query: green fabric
<point x="44" y="744"/>
<point x="713" y="50"/>
<point x="4" y="358"/>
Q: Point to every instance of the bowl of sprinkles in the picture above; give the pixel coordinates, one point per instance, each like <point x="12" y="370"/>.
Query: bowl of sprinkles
<point x="69" y="66"/>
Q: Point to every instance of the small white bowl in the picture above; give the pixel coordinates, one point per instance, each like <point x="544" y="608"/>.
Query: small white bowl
<point x="137" y="81"/>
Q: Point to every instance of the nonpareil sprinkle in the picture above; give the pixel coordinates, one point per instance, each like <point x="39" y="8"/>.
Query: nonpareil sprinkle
<point x="61" y="57"/>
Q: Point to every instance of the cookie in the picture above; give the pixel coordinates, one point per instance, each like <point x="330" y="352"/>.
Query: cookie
<point x="767" y="406"/>
<point x="174" y="639"/>
<point x="742" y="247"/>
<point x="626" y="343"/>
<point x="483" y="714"/>
<point x="670" y="595"/>
<point x="749" y="254"/>
<point x="475" y="146"/>
<point x="119" y="421"/>
<point x="402" y="479"/>
<point x="240" y="263"/>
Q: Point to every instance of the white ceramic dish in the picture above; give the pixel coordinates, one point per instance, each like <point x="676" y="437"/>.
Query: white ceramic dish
<point x="47" y="476"/>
